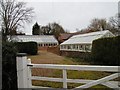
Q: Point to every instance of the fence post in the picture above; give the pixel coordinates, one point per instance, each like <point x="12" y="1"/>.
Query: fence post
<point x="64" y="78"/>
<point x="22" y="70"/>
<point x="29" y="74"/>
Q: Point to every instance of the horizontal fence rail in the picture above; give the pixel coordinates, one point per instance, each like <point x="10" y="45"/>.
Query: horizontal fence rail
<point x="90" y="83"/>
<point x="76" y="67"/>
<point x="27" y="66"/>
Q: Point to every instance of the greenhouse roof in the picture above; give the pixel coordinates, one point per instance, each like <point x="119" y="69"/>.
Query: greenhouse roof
<point x="35" y="38"/>
<point x="86" y="38"/>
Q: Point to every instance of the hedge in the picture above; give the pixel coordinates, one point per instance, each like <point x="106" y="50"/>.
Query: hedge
<point x="27" y="47"/>
<point x="105" y="51"/>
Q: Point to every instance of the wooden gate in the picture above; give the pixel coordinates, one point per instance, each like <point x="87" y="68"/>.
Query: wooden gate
<point x="25" y="78"/>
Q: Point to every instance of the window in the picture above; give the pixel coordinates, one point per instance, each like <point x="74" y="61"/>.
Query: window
<point x="73" y="46"/>
<point x="49" y="44"/>
<point x="90" y="47"/>
<point x="80" y="47"/>
<point x="76" y="47"/>
<point x="64" y="46"/>
<point x="41" y="45"/>
<point x="61" y="47"/>
<point x="46" y="44"/>
<point x="87" y="48"/>
<point x="69" y="47"/>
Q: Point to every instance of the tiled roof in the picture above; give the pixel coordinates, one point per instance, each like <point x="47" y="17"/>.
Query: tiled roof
<point x="65" y="35"/>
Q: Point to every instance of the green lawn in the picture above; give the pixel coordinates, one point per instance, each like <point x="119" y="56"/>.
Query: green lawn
<point x="50" y="58"/>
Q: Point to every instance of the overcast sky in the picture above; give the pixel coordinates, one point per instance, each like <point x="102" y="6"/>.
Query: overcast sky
<point x="70" y="15"/>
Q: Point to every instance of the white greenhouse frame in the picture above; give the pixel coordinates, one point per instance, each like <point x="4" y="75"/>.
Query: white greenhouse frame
<point x="83" y="42"/>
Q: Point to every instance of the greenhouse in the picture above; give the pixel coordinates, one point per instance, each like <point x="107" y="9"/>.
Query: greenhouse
<point x="83" y="42"/>
<point x="42" y="40"/>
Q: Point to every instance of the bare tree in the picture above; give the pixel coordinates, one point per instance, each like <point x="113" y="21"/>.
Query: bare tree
<point x="114" y="21"/>
<point x="115" y="24"/>
<point x="98" y="24"/>
<point x="52" y="29"/>
<point x="13" y="15"/>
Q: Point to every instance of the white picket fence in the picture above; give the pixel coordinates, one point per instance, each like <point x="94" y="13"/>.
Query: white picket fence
<point x="25" y="78"/>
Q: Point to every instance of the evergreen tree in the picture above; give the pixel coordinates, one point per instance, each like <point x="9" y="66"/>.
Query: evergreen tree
<point x="36" y="29"/>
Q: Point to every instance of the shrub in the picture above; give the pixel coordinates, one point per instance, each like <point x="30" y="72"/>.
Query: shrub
<point x="106" y="51"/>
<point x="27" y="47"/>
<point x="9" y="73"/>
